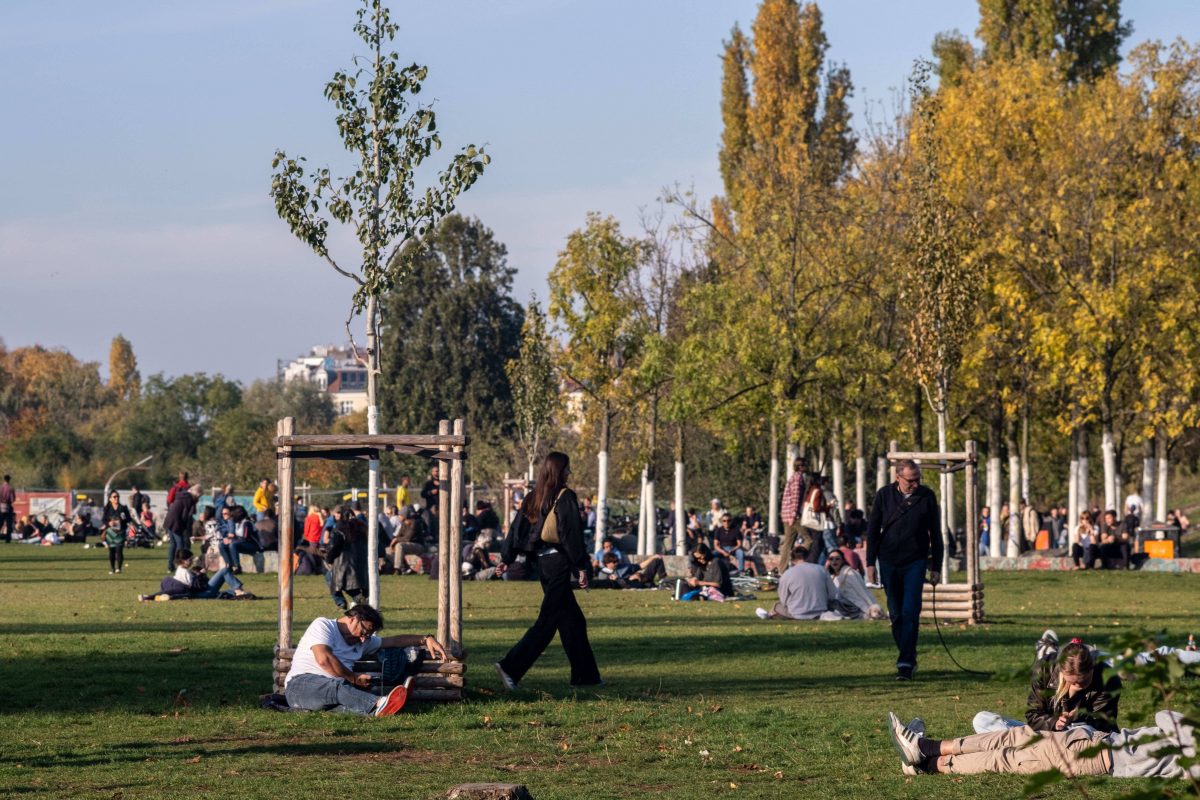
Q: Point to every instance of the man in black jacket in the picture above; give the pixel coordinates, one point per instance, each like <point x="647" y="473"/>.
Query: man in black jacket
<point x="178" y="522"/>
<point x="904" y="534"/>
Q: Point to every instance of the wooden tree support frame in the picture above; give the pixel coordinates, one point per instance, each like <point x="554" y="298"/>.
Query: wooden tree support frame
<point x="438" y="681"/>
<point x="955" y="601"/>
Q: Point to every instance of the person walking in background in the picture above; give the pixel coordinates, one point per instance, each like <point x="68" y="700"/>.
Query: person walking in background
<point x="8" y="498"/>
<point x="179" y="485"/>
<point x="403" y="496"/>
<point x="178" y="522"/>
<point x="556" y="537"/>
<point x="793" y="495"/>
<point x="116" y="524"/>
<point x="904" y="534"/>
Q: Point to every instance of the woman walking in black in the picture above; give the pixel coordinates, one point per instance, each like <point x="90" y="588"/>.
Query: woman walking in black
<point x="556" y="538"/>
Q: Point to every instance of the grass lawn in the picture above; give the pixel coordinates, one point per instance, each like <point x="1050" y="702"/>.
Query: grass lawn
<point x="103" y="696"/>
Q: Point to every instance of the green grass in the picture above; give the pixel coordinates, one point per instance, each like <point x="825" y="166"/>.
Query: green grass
<point x="104" y="697"/>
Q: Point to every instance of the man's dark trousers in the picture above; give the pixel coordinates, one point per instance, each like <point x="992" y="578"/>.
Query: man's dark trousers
<point x="175" y="543"/>
<point x="903" y="586"/>
<point x="560" y="613"/>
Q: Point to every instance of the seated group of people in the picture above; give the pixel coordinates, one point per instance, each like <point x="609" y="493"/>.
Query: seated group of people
<point x="1070" y="725"/>
<point x="835" y="591"/>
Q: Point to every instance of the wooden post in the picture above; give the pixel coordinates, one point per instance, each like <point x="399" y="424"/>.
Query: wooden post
<point x="456" y="546"/>
<point x="445" y="558"/>
<point x="971" y="505"/>
<point x="285" y="427"/>
<point x="893" y="446"/>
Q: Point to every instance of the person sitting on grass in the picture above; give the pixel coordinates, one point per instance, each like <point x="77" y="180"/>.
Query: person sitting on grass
<point x="710" y="576"/>
<point x="1068" y="688"/>
<point x="615" y="575"/>
<point x="189" y="583"/>
<point x="608" y="545"/>
<point x="1149" y="752"/>
<point x="856" y="600"/>
<point x="321" y="677"/>
<point x="805" y="591"/>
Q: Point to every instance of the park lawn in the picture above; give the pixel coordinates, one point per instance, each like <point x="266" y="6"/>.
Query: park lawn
<point x="103" y="696"/>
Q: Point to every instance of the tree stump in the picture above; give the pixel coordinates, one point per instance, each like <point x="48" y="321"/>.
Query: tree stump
<point x="489" y="791"/>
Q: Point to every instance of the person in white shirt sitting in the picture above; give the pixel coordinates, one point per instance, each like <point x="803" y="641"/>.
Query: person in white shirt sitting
<point x="322" y="678"/>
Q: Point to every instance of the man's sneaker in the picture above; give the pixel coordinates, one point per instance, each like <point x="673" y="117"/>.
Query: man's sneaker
<point x="762" y="613"/>
<point x="110" y="572"/>
<point x="508" y="682"/>
<point x="394" y="701"/>
<point x="909" y="769"/>
<point x="905" y="673"/>
<point x="917" y="726"/>
<point x="1046" y="646"/>
<point x="904" y="740"/>
<point x="145" y="598"/>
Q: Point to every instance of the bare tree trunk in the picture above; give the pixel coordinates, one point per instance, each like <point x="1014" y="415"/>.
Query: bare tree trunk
<point x="1073" y="503"/>
<point x="373" y="464"/>
<point x="947" y="494"/>
<point x="1108" y="450"/>
<point x="1014" y="492"/>
<point x="839" y="467"/>
<point x="881" y="472"/>
<point x="1081" y="455"/>
<point x="1149" y="468"/>
<point x="1164" y="475"/>
<point x="1025" y="449"/>
<point x="773" y="491"/>
<point x="791" y="451"/>
<point x="860" y="464"/>
<point x="641" y="540"/>
<point x="651" y="513"/>
<point x="918" y="412"/>
<point x="680" y="511"/>
<point x="602" y="479"/>
<point x="995" y="472"/>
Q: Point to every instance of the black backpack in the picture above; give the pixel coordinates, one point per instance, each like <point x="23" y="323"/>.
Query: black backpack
<point x="516" y="541"/>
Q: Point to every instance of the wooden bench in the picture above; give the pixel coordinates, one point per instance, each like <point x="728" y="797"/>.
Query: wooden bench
<point x="435" y="681"/>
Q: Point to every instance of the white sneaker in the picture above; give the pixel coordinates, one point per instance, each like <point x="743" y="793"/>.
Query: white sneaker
<point x="909" y="769"/>
<point x="762" y="613"/>
<point x="1047" y="645"/>
<point x="508" y="682"/>
<point x="904" y="740"/>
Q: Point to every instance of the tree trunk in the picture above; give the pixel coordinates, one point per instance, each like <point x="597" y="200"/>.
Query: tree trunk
<point x="995" y="494"/>
<point x="918" y="411"/>
<point x="1108" y="450"/>
<point x="773" y="490"/>
<point x="839" y="467"/>
<point x="860" y="465"/>
<point x="1164" y="475"/>
<point x="1025" y="449"/>
<point x="602" y="479"/>
<point x="1081" y="455"/>
<point x="881" y="472"/>
<point x="1073" y="501"/>
<point x="373" y="464"/>
<point x="1149" y="468"/>
<point x="947" y="495"/>
<point x="1014" y="493"/>
<point x="651" y="513"/>
<point x="791" y="451"/>
<point x="641" y="525"/>
<point x="680" y="511"/>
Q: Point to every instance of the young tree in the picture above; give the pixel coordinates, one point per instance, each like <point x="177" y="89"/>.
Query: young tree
<point x="591" y="300"/>
<point x="390" y="137"/>
<point x="533" y="382"/>
<point x="123" y="376"/>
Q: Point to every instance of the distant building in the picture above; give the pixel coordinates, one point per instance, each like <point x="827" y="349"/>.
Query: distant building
<point x="334" y="370"/>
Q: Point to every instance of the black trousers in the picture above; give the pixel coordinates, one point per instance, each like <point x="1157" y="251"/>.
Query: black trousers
<point x="560" y="613"/>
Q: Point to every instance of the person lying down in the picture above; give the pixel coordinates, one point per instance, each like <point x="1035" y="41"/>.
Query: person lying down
<point x="1149" y="752"/>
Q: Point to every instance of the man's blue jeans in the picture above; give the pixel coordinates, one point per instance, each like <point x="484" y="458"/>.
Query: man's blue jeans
<point x="326" y="693"/>
<point x="903" y="585"/>
<point x="175" y="543"/>
<point x="220" y="577"/>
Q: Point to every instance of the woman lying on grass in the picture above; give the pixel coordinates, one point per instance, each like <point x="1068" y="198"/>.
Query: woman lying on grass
<point x="189" y="583"/>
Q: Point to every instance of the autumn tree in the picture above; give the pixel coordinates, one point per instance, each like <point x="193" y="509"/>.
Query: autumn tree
<point x="123" y="376"/>
<point x="390" y="137"/>
<point x="531" y="376"/>
<point x="1082" y="37"/>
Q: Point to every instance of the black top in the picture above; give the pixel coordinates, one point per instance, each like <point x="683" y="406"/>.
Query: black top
<point x="120" y="513"/>
<point x="901" y="532"/>
<point x="570" y="531"/>
<point x="180" y="513"/>
<point x="429" y="493"/>
<point x="727" y="539"/>
<point x="1095" y="705"/>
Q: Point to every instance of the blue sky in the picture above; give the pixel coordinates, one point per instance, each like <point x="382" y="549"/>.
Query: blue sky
<point x="137" y="140"/>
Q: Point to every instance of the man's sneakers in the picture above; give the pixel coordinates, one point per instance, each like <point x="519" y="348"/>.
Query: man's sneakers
<point x="394" y="701"/>
<point x="904" y="672"/>
<point x="1046" y="646"/>
<point x="762" y="613"/>
<point x="904" y="739"/>
<point x="508" y="682"/>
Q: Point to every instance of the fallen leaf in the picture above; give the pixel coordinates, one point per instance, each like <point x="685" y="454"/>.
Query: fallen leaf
<point x="732" y="785"/>
<point x="195" y="760"/>
<point x="779" y="775"/>
<point x="178" y="650"/>
<point x="737" y="748"/>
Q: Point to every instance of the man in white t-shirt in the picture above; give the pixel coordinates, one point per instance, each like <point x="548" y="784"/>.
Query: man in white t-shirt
<point x="322" y="676"/>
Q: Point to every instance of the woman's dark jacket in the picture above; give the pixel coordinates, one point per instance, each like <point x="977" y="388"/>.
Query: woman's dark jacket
<point x="570" y="532"/>
<point x="1095" y="705"/>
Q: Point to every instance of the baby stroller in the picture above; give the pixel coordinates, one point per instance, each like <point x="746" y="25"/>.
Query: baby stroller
<point x="140" y="536"/>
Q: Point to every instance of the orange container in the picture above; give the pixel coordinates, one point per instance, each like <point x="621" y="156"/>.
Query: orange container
<point x="1164" y="548"/>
